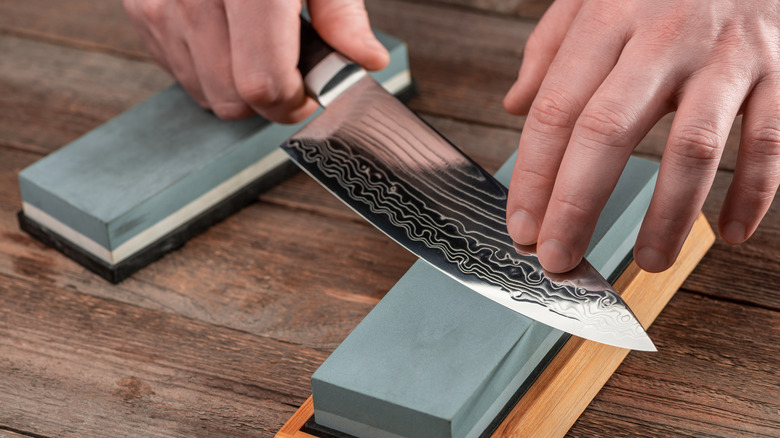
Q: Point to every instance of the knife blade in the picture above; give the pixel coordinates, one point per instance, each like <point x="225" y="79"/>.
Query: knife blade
<point x="396" y="171"/>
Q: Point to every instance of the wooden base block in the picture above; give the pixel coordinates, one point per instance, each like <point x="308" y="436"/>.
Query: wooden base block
<point x="581" y="368"/>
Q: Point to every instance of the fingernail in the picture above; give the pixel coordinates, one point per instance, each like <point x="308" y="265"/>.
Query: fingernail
<point x="734" y="232"/>
<point x="651" y="260"/>
<point x="523" y="227"/>
<point x="555" y="256"/>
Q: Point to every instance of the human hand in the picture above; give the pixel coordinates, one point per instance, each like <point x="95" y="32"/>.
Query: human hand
<point x="598" y="74"/>
<point x="238" y="57"/>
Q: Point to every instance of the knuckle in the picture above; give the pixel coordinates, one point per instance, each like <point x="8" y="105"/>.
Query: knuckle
<point x="574" y="208"/>
<point x="759" y="192"/>
<point x="554" y="110"/>
<point x="535" y="179"/>
<point x="189" y="8"/>
<point x="696" y="143"/>
<point x="197" y="12"/>
<point x="669" y="222"/>
<point x="764" y="142"/>
<point x="152" y="11"/>
<point x="607" y="124"/>
<point x="260" y="90"/>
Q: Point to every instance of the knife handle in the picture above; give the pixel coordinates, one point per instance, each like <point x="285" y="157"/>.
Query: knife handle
<point x="326" y="73"/>
<point x="313" y="48"/>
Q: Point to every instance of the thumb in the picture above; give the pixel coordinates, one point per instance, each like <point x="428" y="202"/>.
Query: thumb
<point x="344" y="25"/>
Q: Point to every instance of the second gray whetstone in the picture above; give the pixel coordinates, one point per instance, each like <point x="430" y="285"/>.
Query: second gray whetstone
<point x="434" y="359"/>
<point x="148" y="180"/>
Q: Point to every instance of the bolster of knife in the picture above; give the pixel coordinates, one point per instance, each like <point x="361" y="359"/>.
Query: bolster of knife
<point x="326" y="73"/>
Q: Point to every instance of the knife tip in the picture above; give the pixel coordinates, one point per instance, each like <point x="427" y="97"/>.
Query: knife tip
<point x="643" y="344"/>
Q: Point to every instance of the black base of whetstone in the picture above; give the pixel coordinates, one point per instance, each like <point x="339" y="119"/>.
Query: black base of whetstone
<point x="178" y="237"/>
<point x="171" y="241"/>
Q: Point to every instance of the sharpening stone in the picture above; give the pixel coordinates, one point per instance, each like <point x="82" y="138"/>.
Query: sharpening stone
<point x="148" y="180"/>
<point x="434" y="359"/>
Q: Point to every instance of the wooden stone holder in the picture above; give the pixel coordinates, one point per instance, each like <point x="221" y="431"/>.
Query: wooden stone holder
<point x="579" y="370"/>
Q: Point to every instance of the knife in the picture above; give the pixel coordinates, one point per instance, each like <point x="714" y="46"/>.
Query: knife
<point x="396" y="171"/>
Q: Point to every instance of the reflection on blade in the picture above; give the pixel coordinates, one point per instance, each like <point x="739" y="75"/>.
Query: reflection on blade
<point x="397" y="172"/>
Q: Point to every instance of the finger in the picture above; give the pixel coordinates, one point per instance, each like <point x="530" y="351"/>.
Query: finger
<point x="209" y="42"/>
<point x="626" y="106"/>
<point x="264" y="51"/>
<point x="709" y="105"/>
<point x="161" y="24"/>
<point x="757" y="175"/>
<point x="344" y="25"/>
<point x="562" y="96"/>
<point x="183" y="69"/>
<point x="139" y="20"/>
<point x="540" y="49"/>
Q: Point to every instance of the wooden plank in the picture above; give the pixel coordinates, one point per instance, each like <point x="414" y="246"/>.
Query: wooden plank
<point x="749" y="272"/>
<point x="580" y="369"/>
<point x="76" y="365"/>
<point x="715" y="375"/>
<point x="52" y="95"/>
<point x="89" y="24"/>
<point x="11" y="434"/>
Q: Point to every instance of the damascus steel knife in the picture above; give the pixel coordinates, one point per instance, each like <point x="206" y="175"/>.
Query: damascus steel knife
<point x="392" y="168"/>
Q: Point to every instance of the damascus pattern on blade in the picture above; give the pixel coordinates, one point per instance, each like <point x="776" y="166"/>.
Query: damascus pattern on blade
<point x="401" y="175"/>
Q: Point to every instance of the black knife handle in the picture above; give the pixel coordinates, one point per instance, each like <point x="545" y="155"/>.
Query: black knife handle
<point x="313" y="48"/>
<point x="326" y="73"/>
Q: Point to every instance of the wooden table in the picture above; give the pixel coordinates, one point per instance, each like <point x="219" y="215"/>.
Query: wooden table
<point x="220" y="337"/>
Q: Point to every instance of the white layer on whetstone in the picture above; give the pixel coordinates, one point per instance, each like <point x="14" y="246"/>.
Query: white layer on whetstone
<point x="134" y="179"/>
<point x="434" y="359"/>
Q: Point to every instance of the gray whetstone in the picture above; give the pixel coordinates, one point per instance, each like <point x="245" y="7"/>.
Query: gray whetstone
<point x="125" y="176"/>
<point x="434" y="359"/>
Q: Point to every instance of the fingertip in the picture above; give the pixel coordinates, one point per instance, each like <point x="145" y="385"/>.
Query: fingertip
<point x="556" y="257"/>
<point x="523" y="228"/>
<point x="344" y="25"/>
<point x="733" y="232"/>
<point x="518" y="100"/>
<point x="376" y="56"/>
<point x="651" y="259"/>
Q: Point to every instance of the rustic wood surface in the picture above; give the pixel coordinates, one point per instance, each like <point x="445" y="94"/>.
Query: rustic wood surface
<point x="221" y="337"/>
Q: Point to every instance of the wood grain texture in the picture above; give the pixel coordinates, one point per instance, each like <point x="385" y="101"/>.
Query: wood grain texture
<point x="11" y="434"/>
<point x="76" y="365"/>
<point x="703" y="341"/>
<point x="51" y="94"/>
<point x="212" y="328"/>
